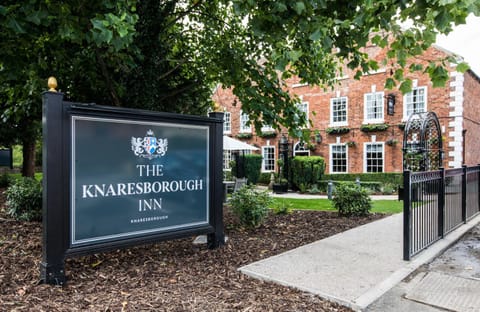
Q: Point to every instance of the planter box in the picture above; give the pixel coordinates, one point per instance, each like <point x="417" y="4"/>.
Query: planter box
<point x="279" y="188"/>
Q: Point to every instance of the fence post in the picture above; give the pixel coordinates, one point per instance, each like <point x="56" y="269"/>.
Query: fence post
<point x="55" y="202"/>
<point x="217" y="238"/>
<point x="407" y="226"/>
<point x="464" y="194"/>
<point x="441" y="204"/>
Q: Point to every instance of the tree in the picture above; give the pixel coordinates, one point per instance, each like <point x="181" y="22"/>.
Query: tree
<point x="167" y="55"/>
<point x="82" y="42"/>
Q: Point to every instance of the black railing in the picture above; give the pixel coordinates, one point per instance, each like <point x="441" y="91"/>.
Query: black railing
<point x="436" y="203"/>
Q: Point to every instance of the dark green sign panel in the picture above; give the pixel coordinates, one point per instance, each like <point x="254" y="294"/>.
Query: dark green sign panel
<point x="134" y="178"/>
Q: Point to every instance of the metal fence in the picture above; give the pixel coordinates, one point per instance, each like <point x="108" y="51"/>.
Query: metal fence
<point x="436" y="203"/>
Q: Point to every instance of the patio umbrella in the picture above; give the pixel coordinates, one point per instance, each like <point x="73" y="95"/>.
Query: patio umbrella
<point x="231" y="144"/>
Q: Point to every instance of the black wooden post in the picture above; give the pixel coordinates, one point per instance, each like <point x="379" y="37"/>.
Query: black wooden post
<point x="407" y="226"/>
<point x="464" y="194"/>
<point x="53" y="250"/>
<point x="217" y="239"/>
<point x="441" y="204"/>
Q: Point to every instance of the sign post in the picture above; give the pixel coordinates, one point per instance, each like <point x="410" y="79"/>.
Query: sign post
<point x="117" y="177"/>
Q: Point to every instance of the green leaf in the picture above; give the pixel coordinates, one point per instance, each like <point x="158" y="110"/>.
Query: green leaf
<point x="442" y="20"/>
<point x="294" y="55"/>
<point x="299" y="7"/>
<point x="389" y="83"/>
<point x="315" y="35"/>
<point x="34" y="18"/>
<point x="15" y="26"/>
<point x="280" y="7"/>
<point x="98" y="24"/>
<point x="463" y="67"/>
<point x="406" y="86"/>
<point x="439" y="76"/>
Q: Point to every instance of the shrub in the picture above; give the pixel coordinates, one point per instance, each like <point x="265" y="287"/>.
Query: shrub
<point x="351" y="200"/>
<point x="253" y="165"/>
<point x="264" y="178"/>
<point x="227" y="175"/>
<point x="314" y="189"/>
<point x="388" y="189"/>
<point x="250" y="205"/>
<point x="24" y="200"/>
<point x="306" y="171"/>
<point x="249" y="166"/>
<point x="5" y="180"/>
<point x="282" y="207"/>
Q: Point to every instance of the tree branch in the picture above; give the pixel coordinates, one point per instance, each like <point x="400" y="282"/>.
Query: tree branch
<point x="108" y="80"/>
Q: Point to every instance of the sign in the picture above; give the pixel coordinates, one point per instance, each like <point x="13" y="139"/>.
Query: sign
<point x="130" y="178"/>
<point x="116" y="177"/>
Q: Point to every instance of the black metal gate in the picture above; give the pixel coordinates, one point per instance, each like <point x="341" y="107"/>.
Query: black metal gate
<point x="435" y="203"/>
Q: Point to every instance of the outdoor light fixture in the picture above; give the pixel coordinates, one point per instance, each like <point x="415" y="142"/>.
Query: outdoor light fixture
<point x="391" y="104"/>
<point x="318" y="138"/>
<point x="283" y="143"/>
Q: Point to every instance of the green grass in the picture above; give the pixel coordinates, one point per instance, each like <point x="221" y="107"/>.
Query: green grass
<point x="17" y="156"/>
<point x="321" y="204"/>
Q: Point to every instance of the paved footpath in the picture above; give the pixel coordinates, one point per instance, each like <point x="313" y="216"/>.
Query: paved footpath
<point x="354" y="268"/>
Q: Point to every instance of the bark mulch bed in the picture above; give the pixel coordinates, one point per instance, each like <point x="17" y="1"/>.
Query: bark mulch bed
<point x="168" y="276"/>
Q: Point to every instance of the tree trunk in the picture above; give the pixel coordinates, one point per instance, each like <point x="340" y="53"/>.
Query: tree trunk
<point x="28" y="166"/>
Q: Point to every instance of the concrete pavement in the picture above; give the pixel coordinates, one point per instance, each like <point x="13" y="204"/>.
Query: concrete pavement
<point x="358" y="267"/>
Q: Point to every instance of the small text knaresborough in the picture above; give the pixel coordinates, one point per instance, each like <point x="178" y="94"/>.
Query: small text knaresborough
<point x="139" y="188"/>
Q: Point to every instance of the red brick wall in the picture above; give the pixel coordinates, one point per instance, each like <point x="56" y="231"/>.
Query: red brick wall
<point x="438" y="100"/>
<point x="471" y="119"/>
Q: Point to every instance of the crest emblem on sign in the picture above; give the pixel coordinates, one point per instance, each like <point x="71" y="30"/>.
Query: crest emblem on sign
<point x="149" y="146"/>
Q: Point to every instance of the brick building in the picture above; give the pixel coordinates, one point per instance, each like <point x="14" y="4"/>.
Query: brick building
<point x="352" y="104"/>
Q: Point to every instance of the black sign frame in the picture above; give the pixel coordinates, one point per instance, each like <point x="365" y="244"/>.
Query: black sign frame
<point x="57" y="177"/>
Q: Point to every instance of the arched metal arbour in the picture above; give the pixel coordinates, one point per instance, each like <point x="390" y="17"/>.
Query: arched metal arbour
<point x="422" y="143"/>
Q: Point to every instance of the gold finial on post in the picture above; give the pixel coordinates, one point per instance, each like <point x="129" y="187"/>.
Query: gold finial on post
<point x="52" y="84"/>
<point x="217" y="108"/>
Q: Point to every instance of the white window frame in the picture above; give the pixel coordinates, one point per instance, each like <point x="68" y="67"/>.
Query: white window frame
<point x="227" y="158"/>
<point x="378" y="95"/>
<point x="267" y="159"/>
<point x="341" y="123"/>
<point x="382" y="144"/>
<point x="406" y="115"/>
<point x="227" y="123"/>
<point x="243" y="121"/>
<point x="306" y="111"/>
<point x="330" y="156"/>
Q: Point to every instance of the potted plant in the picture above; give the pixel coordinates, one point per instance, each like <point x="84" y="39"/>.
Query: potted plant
<point x="280" y="184"/>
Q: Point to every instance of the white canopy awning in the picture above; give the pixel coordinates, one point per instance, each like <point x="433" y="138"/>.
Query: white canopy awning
<point x="231" y="144"/>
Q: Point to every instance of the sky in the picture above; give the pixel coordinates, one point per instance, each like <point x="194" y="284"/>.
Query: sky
<point x="465" y="41"/>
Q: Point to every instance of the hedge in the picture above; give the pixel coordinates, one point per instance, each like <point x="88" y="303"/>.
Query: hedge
<point x="252" y="163"/>
<point x="373" y="187"/>
<point x="383" y="177"/>
<point x="306" y="171"/>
